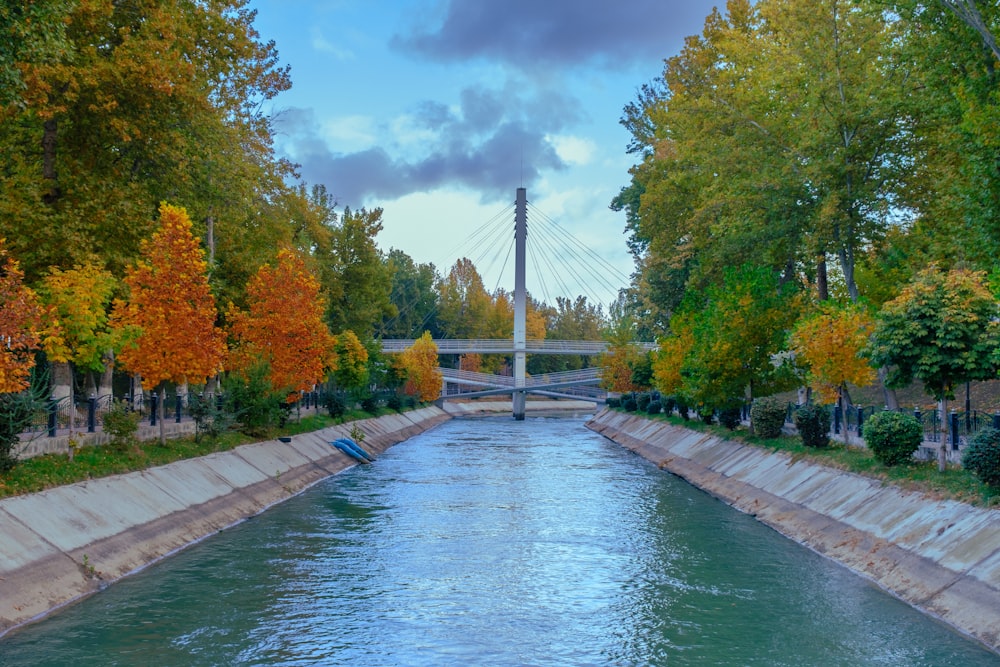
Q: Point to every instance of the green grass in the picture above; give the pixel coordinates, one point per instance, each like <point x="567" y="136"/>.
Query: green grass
<point x="955" y="483"/>
<point x="45" y="472"/>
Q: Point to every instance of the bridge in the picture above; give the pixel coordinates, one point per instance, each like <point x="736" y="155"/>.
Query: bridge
<point x="581" y="384"/>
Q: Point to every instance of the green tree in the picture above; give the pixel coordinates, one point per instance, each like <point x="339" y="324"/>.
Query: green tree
<point x="412" y="295"/>
<point x="365" y="280"/>
<point x="942" y="330"/>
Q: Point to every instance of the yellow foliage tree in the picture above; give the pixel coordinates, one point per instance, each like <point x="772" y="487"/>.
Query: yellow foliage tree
<point x="830" y="344"/>
<point x="670" y="357"/>
<point x="423" y="379"/>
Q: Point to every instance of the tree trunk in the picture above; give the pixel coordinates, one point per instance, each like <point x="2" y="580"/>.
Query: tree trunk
<point x="62" y="388"/>
<point x="943" y="449"/>
<point x="888" y="394"/>
<point x="106" y="387"/>
<point x="137" y="392"/>
<point x="163" y="412"/>
<point x="822" y="284"/>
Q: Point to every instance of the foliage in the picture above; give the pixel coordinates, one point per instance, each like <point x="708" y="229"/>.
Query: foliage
<point x="654" y="408"/>
<point x="350" y="368"/>
<point x="767" y="416"/>
<point x="614" y="401"/>
<point x="17" y="409"/>
<point x="20" y="324"/>
<point x="831" y="343"/>
<point x="893" y="437"/>
<point x="169" y="318"/>
<point x="121" y="423"/>
<point x="982" y="456"/>
<point x="209" y="414"/>
<point x="420" y="361"/>
<point x="642" y="400"/>
<point x="79" y="298"/>
<point x="283" y="326"/>
<point x="942" y="330"/>
<point x="813" y="422"/>
<point x="730" y="417"/>
<point x="412" y="296"/>
<point x="629" y="403"/>
<point x="370" y="404"/>
<point x="364" y="280"/>
<point x="394" y="402"/>
<point x="253" y="401"/>
<point x="334" y="404"/>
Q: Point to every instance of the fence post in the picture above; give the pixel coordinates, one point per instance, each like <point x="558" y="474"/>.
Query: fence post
<point x="861" y="419"/>
<point x="154" y="403"/>
<point x="177" y="408"/>
<point x="996" y="420"/>
<point x="836" y="418"/>
<point x="91" y="414"/>
<point x="953" y="418"/>
<point x="54" y="412"/>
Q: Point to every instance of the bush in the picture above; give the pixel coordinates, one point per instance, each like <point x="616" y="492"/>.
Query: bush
<point x="614" y="401"/>
<point x="730" y="417"/>
<point x="334" y="404"/>
<point x="370" y="404"/>
<point x="394" y="402"/>
<point x="767" y="416"/>
<point x="250" y="397"/>
<point x="121" y="424"/>
<point x="813" y="423"/>
<point x="707" y="415"/>
<point x="654" y="408"/>
<point x="210" y="417"/>
<point x="683" y="409"/>
<point x="629" y="404"/>
<point x="892" y="436"/>
<point x="642" y="401"/>
<point x="982" y="457"/>
<point x="17" y="411"/>
<point x="669" y="403"/>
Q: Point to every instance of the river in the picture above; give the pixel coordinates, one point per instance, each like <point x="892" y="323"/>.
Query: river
<point x="495" y="542"/>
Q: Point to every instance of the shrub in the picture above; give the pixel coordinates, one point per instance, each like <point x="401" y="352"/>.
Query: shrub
<point x="707" y="415"/>
<point x="255" y="404"/>
<point x="654" y="408"/>
<point x="982" y="457"/>
<point x="892" y="436"/>
<point x="683" y="409"/>
<point x="614" y="401"/>
<point x="16" y="414"/>
<point x="394" y="402"/>
<point x="121" y="424"/>
<point x="334" y="404"/>
<point x="210" y="416"/>
<point x="642" y="401"/>
<point x="669" y="403"/>
<point x="629" y="404"/>
<point x="730" y="417"/>
<point x="813" y="423"/>
<point x="370" y="404"/>
<point x="767" y="416"/>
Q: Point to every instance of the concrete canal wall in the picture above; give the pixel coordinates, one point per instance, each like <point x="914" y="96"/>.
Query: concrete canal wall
<point x="940" y="556"/>
<point x="60" y="545"/>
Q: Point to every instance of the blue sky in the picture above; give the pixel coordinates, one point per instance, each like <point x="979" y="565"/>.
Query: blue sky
<point x="437" y="110"/>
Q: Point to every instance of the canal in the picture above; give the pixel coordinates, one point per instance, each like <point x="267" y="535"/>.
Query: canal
<point x="495" y="542"/>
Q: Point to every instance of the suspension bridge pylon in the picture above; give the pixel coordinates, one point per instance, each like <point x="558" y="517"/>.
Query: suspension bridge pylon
<point x="520" y="302"/>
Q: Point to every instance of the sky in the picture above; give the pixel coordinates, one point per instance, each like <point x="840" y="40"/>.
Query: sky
<point x="437" y="111"/>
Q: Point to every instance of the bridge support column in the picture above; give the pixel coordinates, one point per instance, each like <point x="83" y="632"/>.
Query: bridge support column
<point x="520" y="301"/>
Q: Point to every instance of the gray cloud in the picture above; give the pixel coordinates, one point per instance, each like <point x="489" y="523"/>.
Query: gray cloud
<point x="529" y="33"/>
<point x="492" y="144"/>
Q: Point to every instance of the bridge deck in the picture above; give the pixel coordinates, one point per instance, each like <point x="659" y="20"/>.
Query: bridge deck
<point x="494" y="346"/>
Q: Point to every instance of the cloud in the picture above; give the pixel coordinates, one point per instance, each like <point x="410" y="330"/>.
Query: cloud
<point x="491" y="142"/>
<point x="528" y="33"/>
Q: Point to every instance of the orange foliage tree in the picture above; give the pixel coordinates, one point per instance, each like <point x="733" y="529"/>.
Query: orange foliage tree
<point x="283" y="326"/>
<point x="831" y="344"/>
<point x="20" y="325"/>
<point x="168" y="322"/>
<point x="423" y="379"/>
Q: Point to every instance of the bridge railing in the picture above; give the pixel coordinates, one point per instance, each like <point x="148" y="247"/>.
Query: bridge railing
<point x="495" y="346"/>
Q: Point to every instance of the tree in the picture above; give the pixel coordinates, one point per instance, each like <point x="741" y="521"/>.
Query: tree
<point x="942" y="330"/>
<point x="365" y="281"/>
<point x="420" y="361"/>
<point x="831" y="344"/>
<point x="20" y="325"/>
<point x="464" y="304"/>
<point x="168" y="322"/>
<point x="412" y="295"/>
<point x="350" y="369"/>
<point x="284" y="326"/>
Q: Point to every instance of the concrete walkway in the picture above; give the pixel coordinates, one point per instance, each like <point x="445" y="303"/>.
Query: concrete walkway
<point x="941" y="556"/>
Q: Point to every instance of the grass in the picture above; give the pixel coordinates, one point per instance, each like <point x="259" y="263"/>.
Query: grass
<point x="51" y="470"/>
<point x="955" y="483"/>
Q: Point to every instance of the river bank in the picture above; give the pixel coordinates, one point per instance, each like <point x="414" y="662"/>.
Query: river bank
<point x="69" y="542"/>
<point x="940" y="556"/>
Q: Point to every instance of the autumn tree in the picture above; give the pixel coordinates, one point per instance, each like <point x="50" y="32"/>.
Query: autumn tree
<point x="168" y="321"/>
<point x="80" y="298"/>
<point x="283" y="326"/>
<point x="420" y="361"/>
<point x="831" y="345"/>
<point x="350" y="367"/>
<point x="942" y="330"/>
<point x="20" y="325"/>
<point x="364" y="279"/>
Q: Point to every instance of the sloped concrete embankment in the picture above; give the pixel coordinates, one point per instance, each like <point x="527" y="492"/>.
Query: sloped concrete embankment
<point x="940" y="556"/>
<point x="65" y="543"/>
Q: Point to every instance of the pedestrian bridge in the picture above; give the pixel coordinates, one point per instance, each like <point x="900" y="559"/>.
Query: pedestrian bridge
<point x="496" y="346"/>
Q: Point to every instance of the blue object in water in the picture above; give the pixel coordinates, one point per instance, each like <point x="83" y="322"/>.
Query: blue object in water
<point x="352" y="448"/>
